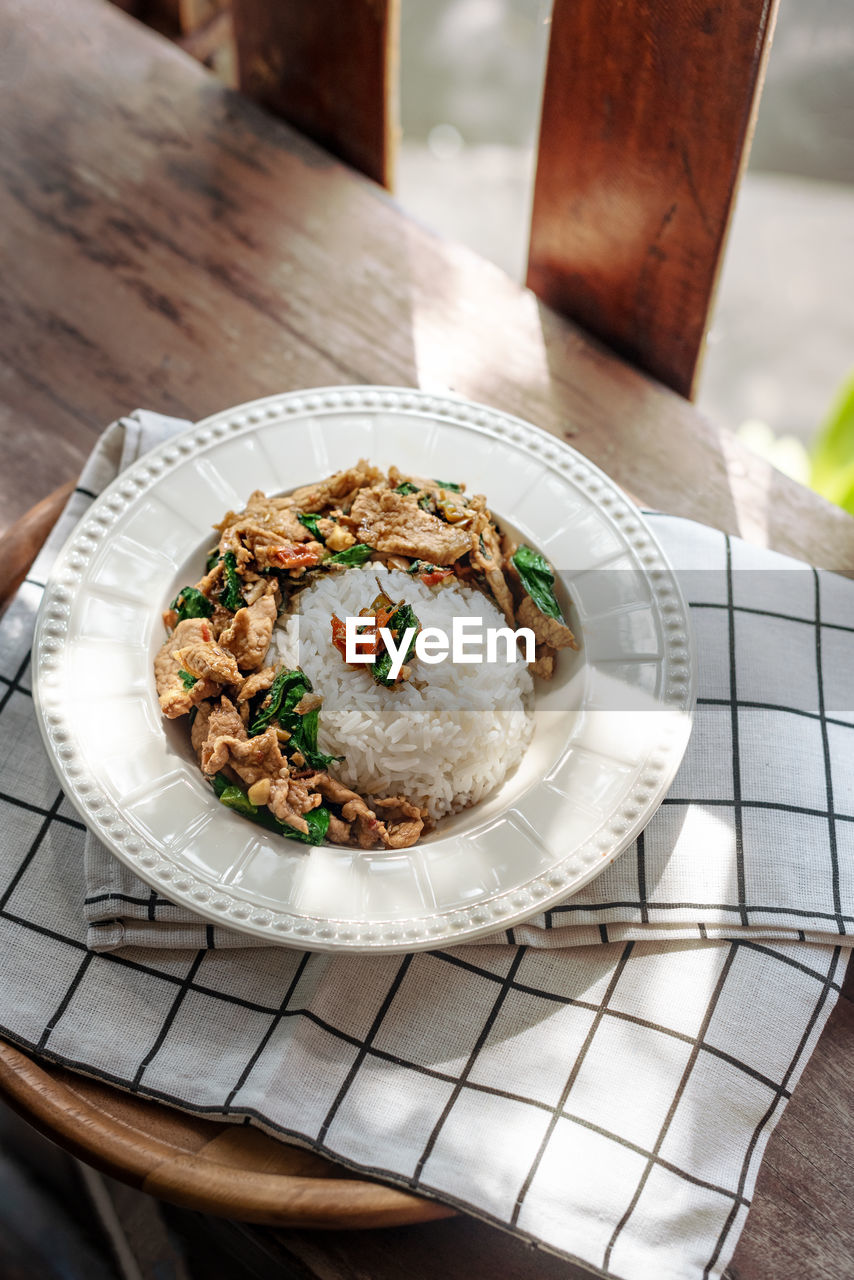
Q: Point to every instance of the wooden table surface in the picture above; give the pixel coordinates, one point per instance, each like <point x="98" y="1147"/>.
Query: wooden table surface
<point x="167" y="244"/>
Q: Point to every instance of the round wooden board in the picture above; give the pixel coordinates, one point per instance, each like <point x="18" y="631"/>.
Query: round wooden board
<point x="230" y="1170"/>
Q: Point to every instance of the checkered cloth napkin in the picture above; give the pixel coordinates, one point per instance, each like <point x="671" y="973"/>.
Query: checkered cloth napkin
<point x="558" y="1080"/>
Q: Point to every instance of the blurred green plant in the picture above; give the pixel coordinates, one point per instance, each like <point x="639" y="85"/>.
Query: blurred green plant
<point x="832" y="464"/>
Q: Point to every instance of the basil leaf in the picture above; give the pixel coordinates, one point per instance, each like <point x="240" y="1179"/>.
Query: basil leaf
<point x="318" y="825"/>
<point x="191" y="603"/>
<point x="537" y="578"/>
<point x="407" y="487"/>
<point x="186" y="679"/>
<point x="448" y="484"/>
<point x="310" y="519"/>
<point x="381" y="668"/>
<point x="303" y="731"/>
<point x="356" y="555"/>
<point x="284" y="694"/>
<point x="400" y="621"/>
<point x="234" y="797"/>
<point x="232" y="594"/>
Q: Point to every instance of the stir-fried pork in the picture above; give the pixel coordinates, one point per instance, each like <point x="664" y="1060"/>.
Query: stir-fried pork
<point x="248" y="637"/>
<point x="175" y="698"/>
<point x="394" y="522"/>
<point x="547" y="630"/>
<point x="254" y="759"/>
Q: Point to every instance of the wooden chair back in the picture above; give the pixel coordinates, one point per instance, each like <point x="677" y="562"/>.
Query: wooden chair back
<point x="646" y="119"/>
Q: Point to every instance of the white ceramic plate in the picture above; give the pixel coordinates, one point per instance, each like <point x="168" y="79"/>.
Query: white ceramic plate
<point x="610" y="731"/>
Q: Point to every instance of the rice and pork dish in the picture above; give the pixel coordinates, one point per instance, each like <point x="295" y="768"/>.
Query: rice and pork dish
<point x="295" y="731"/>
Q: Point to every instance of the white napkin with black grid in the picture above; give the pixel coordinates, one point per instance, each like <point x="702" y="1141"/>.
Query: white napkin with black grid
<point x="557" y="1080"/>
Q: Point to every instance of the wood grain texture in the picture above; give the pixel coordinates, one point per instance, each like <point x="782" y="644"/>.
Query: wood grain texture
<point x="646" y="114"/>
<point x="328" y="68"/>
<point x="167" y="244"/>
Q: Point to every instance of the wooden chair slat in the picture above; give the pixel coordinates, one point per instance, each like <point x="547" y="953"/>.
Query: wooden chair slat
<point x="328" y="68"/>
<point x="646" y="116"/>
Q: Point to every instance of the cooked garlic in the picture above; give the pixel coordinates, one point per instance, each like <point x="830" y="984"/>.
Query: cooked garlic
<point x="259" y="792"/>
<point x="339" y="539"/>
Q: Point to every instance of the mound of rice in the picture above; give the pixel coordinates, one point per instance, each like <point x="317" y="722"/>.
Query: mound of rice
<point x="444" y="739"/>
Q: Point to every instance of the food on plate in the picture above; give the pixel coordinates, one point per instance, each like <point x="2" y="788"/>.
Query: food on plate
<point x="303" y="660"/>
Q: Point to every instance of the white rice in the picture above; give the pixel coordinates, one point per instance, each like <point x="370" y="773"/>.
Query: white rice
<point x="446" y="744"/>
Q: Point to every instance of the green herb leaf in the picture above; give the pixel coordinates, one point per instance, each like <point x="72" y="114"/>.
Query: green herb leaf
<point x="284" y="694"/>
<point x="234" y="797"/>
<point x="356" y="555"/>
<point x="286" y="691"/>
<point x="186" y="679"/>
<point x="537" y="578"/>
<point x="232" y="594"/>
<point x="310" y="519"/>
<point x="303" y="738"/>
<point x="402" y="618"/>
<point x="426" y="503"/>
<point x="407" y="487"/>
<point x="190" y="603"/>
<point x="318" y="825"/>
<point x="449" y="484"/>
<point x="213" y="559"/>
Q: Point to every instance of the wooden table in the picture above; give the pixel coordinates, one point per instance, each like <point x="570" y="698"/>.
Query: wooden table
<point x="167" y="244"/>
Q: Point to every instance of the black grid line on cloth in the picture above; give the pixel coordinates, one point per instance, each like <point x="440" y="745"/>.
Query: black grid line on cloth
<point x="28" y="693"/>
<point x="736" y="757"/>
<point x="37" y="808"/>
<point x="186" y="984"/>
<point x="573" y="1075"/>
<point x="31" y="852"/>
<point x="87" y="493"/>
<point x="584" y="1004"/>
<point x="641" y="874"/>
<point x="768" y="613"/>
<point x="756" y="908"/>
<point x="66" y="999"/>
<point x="168" y="1020"/>
<point x="265" y="1039"/>
<point x="776" y="706"/>
<point x="674" y="1102"/>
<point x="380" y="1171"/>
<point x="394" y="987"/>
<point x="501" y="996"/>
<point x="763" y="1121"/>
<point x="621" y="1015"/>
<point x="778" y="806"/>
<point x="133" y="900"/>
<point x="831" y="820"/>
<point x="14" y="685"/>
